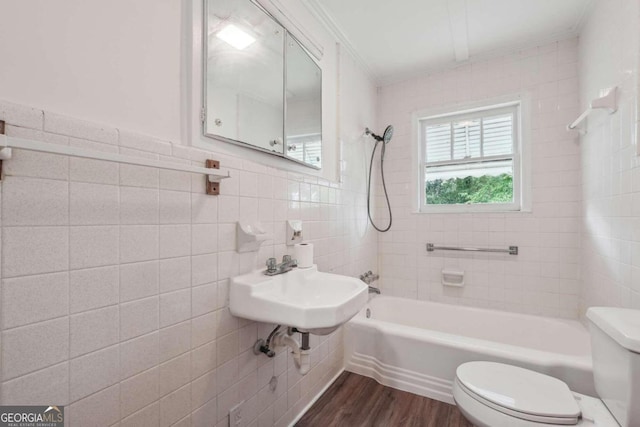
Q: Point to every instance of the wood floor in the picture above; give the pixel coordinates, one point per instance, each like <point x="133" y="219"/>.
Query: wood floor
<point x="357" y="401"/>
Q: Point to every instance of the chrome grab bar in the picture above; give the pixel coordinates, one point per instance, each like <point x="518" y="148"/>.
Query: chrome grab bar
<point x="513" y="250"/>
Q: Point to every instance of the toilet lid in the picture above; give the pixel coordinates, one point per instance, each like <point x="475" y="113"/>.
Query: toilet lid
<point x="520" y="392"/>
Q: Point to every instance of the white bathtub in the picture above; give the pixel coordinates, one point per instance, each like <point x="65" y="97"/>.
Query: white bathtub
<point x="416" y="346"/>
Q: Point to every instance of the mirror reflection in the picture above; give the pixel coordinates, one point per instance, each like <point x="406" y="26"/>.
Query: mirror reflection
<point x="303" y="130"/>
<point x="244" y="75"/>
<point x="262" y="88"/>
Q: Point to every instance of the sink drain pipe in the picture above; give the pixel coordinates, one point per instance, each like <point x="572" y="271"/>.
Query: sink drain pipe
<point x="300" y="353"/>
<point x="281" y="338"/>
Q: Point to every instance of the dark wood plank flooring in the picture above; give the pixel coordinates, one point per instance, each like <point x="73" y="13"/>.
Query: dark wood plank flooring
<point x="357" y="401"/>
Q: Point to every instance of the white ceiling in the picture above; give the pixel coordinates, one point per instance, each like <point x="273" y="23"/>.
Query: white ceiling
<point x="398" y="39"/>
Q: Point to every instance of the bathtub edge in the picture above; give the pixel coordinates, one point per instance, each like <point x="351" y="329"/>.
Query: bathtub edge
<point x="402" y="379"/>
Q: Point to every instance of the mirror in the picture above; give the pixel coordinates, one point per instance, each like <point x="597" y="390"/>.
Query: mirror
<point x="244" y="75"/>
<point x="262" y="88"/>
<point x="303" y="127"/>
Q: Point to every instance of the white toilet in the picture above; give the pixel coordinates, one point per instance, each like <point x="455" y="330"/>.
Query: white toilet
<point x="499" y="395"/>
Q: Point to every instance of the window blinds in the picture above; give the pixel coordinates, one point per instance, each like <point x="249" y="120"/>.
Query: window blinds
<point x="469" y="138"/>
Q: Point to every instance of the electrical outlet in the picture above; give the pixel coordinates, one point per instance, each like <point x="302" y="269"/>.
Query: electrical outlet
<point x="235" y="416"/>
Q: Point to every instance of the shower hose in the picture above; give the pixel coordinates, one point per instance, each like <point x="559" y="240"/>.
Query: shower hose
<point x="384" y="186"/>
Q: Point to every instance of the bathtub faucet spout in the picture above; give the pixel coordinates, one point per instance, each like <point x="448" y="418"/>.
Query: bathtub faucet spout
<point x="374" y="290"/>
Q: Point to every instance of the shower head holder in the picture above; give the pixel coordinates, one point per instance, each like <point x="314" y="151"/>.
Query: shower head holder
<point x="386" y="136"/>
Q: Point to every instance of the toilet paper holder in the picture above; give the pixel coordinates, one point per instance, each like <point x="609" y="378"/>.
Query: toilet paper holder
<point x="294" y="232"/>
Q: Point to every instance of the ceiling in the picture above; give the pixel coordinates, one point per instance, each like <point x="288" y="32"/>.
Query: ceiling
<point x="394" y="40"/>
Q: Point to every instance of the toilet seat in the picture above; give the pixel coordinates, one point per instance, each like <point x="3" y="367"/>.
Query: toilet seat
<point x="519" y="393"/>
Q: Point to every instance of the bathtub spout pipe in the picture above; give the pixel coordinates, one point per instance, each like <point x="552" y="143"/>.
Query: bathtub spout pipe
<point x="300" y="355"/>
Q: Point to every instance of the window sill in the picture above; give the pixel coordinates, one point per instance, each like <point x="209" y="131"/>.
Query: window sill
<point x="497" y="208"/>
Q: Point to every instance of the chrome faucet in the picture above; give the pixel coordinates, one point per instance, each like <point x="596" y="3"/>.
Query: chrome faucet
<point x="369" y="278"/>
<point x="274" y="268"/>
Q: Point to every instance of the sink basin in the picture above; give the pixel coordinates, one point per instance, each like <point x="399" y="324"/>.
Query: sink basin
<point x="306" y="299"/>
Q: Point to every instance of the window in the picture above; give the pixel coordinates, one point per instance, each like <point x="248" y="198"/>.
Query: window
<point x="305" y="148"/>
<point x="470" y="161"/>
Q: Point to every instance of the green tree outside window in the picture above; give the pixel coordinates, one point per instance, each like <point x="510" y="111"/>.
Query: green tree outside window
<point x="469" y="190"/>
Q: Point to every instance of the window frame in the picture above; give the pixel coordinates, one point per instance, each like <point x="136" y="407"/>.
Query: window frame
<point x="521" y="157"/>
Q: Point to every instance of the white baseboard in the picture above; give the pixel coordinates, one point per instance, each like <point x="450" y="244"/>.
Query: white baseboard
<point x="317" y="396"/>
<point x="401" y="379"/>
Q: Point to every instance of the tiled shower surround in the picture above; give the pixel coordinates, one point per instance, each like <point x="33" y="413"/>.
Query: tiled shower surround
<point x="544" y="277"/>
<point x="115" y="279"/>
<point x="611" y="167"/>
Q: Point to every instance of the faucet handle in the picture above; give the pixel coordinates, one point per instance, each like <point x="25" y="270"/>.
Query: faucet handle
<point x="271" y="264"/>
<point x="286" y="258"/>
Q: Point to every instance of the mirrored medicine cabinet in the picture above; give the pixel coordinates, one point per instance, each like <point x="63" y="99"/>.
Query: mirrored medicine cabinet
<point x="262" y="88"/>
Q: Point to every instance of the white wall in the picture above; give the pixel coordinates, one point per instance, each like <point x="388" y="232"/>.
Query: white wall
<point x="115" y="62"/>
<point x="357" y="110"/>
<point x="114" y="298"/>
<point x="544" y="277"/>
<point x="610" y="256"/>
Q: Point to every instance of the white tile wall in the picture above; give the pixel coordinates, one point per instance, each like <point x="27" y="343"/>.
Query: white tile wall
<point x="115" y="279"/>
<point x="611" y="168"/>
<point x="544" y="277"/>
<point x="92" y="330"/>
<point x="93" y="288"/>
<point x="27" y="292"/>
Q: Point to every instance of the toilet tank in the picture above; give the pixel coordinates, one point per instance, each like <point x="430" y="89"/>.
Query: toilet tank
<point x="615" y="346"/>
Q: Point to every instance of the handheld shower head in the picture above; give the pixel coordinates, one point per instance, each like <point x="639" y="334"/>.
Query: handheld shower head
<point x="386" y="136"/>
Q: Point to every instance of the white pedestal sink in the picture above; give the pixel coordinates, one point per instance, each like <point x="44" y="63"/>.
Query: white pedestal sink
<point x="306" y="299"/>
